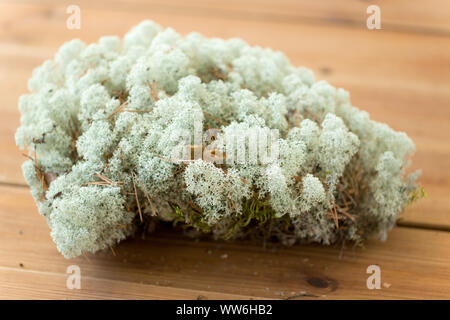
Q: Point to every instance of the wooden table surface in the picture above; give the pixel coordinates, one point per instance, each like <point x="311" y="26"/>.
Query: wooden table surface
<point x="399" y="74"/>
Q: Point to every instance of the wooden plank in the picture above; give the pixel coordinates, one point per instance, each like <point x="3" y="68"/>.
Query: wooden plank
<point x="414" y="264"/>
<point x="432" y="212"/>
<point x="431" y="16"/>
<point x="388" y="74"/>
<point x="19" y="283"/>
<point x="386" y="60"/>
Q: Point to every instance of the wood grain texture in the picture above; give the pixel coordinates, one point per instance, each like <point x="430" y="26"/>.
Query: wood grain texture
<point x="400" y="15"/>
<point x="414" y="263"/>
<point x="400" y="75"/>
<point x="31" y="284"/>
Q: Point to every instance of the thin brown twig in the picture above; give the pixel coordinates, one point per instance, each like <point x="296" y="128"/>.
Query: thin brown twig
<point x="148" y="198"/>
<point x="335" y="215"/>
<point x="214" y="118"/>
<point x="153" y="91"/>
<point x="105" y="181"/>
<point x="118" y="109"/>
<point x="194" y="206"/>
<point x="345" y="213"/>
<point x="102" y="177"/>
<point x="96" y="183"/>
<point x="137" y="199"/>
<point x="133" y="110"/>
<point x="112" y="250"/>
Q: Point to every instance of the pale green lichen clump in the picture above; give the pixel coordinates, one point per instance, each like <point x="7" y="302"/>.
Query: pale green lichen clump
<point x="100" y="128"/>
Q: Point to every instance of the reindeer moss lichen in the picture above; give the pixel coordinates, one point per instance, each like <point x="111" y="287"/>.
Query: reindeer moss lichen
<point x="102" y="122"/>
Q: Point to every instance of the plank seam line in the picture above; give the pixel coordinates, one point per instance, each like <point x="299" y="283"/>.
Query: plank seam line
<point x="422" y="226"/>
<point x="13" y="184"/>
